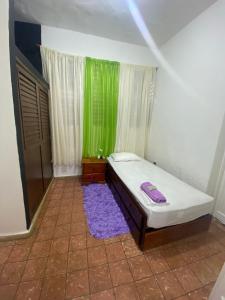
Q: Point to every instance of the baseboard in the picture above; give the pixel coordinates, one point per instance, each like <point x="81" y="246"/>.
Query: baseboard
<point x="27" y="233"/>
<point x="62" y="171"/>
<point x="220" y="216"/>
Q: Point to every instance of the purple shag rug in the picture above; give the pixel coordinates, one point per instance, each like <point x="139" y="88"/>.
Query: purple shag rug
<point x="105" y="218"/>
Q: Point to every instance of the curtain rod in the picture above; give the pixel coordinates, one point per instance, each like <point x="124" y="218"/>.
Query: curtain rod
<point x="39" y="46"/>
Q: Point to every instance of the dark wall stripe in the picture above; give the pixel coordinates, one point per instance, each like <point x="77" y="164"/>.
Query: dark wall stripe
<point x="27" y="36"/>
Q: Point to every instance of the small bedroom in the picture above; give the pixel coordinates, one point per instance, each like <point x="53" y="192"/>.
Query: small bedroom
<point x="112" y="165"/>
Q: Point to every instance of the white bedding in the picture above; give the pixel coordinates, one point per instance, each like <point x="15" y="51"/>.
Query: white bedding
<point x="185" y="203"/>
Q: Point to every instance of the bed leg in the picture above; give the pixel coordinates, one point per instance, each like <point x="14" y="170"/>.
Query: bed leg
<point x="142" y="235"/>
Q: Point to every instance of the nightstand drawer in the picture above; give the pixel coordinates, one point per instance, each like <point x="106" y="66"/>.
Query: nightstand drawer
<point x="95" y="177"/>
<point x="93" y="168"/>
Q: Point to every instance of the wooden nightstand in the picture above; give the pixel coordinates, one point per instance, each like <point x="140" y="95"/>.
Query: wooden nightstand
<point x="93" y="170"/>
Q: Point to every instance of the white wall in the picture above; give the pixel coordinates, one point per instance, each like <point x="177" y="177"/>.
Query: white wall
<point x="72" y="42"/>
<point x="185" y="130"/>
<point x="12" y="214"/>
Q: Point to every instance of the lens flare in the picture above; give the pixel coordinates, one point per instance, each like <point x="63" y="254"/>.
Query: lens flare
<point x="154" y="48"/>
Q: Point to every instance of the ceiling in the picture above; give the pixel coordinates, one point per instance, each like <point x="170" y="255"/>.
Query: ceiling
<point x="111" y="18"/>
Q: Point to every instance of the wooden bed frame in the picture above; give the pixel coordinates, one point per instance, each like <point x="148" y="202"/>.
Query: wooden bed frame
<point x="136" y="217"/>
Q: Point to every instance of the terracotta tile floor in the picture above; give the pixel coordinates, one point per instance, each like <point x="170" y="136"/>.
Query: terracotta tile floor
<point x="61" y="260"/>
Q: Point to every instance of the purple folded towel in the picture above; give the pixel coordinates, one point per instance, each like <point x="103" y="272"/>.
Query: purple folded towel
<point x="153" y="193"/>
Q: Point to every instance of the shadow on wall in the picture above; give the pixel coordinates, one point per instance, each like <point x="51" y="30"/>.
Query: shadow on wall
<point x="218" y="161"/>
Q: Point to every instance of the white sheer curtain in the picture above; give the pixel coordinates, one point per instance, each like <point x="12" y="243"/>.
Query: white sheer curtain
<point x="136" y="94"/>
<point x="65" y="75"/>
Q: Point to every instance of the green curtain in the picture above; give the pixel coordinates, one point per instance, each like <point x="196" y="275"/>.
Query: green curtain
<point x="100" y="107"/>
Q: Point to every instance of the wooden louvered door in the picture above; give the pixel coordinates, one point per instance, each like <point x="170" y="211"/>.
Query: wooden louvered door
<point x="31" y="138"/>
<point x="46" y="140"/>
<point x="33" y="102"/>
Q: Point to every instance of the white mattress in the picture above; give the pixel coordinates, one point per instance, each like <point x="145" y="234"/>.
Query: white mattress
<point x="185" y="203"/>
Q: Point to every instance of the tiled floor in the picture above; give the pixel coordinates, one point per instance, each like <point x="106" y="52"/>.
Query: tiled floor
<point x="61" y="260"/>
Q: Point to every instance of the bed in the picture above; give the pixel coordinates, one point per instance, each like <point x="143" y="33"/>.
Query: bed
<point x="187" y="211"/>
